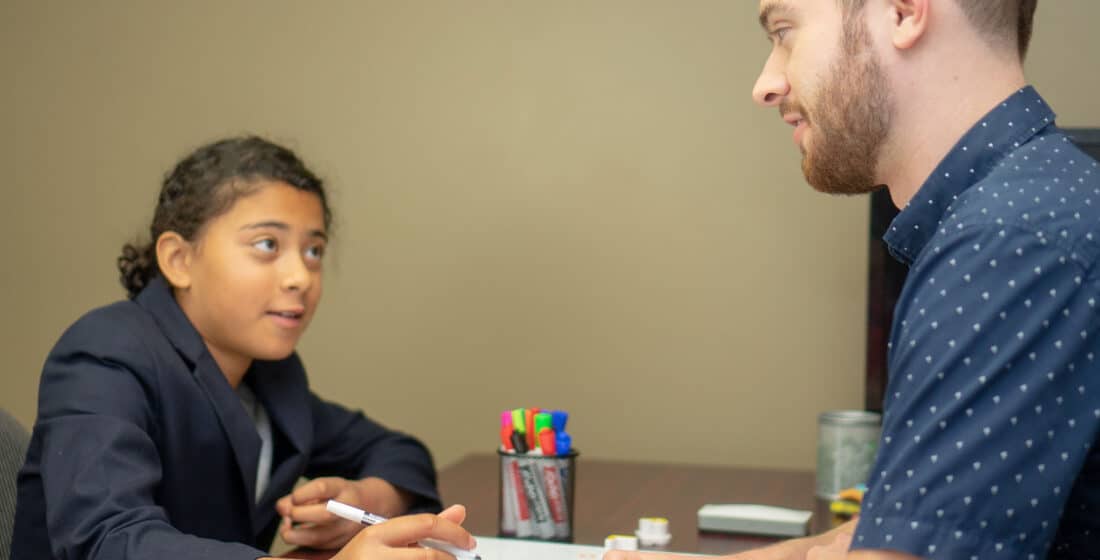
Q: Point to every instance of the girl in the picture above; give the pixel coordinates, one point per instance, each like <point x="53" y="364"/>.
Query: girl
<point x="176" y="423"/>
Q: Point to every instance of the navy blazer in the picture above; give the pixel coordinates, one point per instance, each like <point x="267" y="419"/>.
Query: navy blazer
<point x="142" y="450"/>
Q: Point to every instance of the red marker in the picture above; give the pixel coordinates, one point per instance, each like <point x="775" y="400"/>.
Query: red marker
<point x="546" y="441"/>
<point x="506" y="430"/>
<point x="529" y="422"/>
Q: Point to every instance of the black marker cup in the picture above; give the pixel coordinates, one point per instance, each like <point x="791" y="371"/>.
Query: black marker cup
<point x="536" y="496"/>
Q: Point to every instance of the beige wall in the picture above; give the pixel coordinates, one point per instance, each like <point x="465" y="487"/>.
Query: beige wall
<point x="570" y="204"/>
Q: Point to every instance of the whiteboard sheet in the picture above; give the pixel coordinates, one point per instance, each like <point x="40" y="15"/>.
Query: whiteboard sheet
<point x="490" y="548"/>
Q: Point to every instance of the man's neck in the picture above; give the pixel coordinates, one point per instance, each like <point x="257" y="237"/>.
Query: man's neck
<point x="932" y="114"/>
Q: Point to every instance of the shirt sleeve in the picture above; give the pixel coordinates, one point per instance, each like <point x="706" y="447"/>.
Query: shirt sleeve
<point x="99" y="463"/>
<point x="990" y="409"/>
<point x="350" y="445"/>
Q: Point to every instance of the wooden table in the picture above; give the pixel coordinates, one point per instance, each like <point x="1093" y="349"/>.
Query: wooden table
<point x="612" y="495"/>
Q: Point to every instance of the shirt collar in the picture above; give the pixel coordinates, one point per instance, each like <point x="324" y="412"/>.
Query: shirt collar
<point x="1003" y="129"/>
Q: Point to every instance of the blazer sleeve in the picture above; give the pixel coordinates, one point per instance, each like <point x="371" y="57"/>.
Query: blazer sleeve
<point x="350" y="445"/>
<point x="99" y="463"/>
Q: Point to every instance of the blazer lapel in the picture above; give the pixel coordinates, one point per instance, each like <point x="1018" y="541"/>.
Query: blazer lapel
<point x="281" y="387"/>
<point x="236" y="423"/>
<point x="157" y="298"/>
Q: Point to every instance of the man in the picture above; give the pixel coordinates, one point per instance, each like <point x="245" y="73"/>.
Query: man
<point x="993" y="403"/>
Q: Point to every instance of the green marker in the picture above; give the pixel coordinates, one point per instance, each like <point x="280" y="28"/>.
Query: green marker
<point x="542" y="420"/>
<point x="519" y="423"/>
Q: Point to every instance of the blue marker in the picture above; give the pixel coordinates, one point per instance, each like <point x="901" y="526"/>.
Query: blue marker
<point x="563" y="442"/>
<point x="558" y="420"/>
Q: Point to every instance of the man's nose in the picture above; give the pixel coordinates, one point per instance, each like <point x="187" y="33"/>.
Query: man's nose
<point x="771" y="86"/>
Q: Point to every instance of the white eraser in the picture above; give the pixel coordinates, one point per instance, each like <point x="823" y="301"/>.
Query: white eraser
<point x="754" y="519"/>
<point x="653" y="531"/>
<point x="620" y="542"/>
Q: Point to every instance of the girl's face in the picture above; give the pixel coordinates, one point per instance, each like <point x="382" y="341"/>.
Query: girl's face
<point x="255" y="275"/>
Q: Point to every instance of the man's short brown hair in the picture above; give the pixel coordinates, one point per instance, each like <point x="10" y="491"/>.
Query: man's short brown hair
<point x="999" y="21"/>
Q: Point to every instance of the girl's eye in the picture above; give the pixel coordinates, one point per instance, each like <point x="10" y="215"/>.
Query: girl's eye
<point x="315" y="252"/>
<point x="266" y="245"/>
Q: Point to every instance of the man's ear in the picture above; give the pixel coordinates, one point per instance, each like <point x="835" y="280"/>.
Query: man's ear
<point x="174" y="256"/>
<point x="910" y="22"/>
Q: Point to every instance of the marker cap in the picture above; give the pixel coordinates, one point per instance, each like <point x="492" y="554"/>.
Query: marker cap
<point x="519" y="443"/>
<point x="345" y="511"/>
<point x="529" y="422"/>
<point x="563" y="443"/>
<point x="518" y="424"/>
<point x="546" y="441"/>
<point x="560" y="417"/>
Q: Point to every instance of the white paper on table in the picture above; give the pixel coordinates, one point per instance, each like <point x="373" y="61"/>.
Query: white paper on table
<point x="490" y="548"/>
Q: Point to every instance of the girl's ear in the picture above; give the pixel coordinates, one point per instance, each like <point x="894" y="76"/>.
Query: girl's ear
<point x="174" y="255"/>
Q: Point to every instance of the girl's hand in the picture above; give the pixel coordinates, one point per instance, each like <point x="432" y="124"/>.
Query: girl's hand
<point x="396" y="538"/>
<point x="307" y="522"/>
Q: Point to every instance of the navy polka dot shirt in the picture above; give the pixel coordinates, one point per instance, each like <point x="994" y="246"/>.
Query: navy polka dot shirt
<point x="993" y="403"/>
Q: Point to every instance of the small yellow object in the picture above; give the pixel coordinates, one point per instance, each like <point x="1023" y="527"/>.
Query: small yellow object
<point x="847" y="502"/>
<point x="844" y="508"/>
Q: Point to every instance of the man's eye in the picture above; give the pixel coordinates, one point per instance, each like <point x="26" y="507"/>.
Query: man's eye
<point x="780" y="34"/>
<point x="265" y="245"/>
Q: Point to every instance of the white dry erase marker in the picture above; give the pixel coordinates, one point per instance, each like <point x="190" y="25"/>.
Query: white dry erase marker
<point x="357" y="515"/>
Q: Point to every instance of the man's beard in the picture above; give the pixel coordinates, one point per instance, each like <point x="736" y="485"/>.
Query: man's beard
<point x="850" y="120"/>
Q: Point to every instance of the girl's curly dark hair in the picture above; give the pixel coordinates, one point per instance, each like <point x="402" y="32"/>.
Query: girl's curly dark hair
<point x="207" y="183"/>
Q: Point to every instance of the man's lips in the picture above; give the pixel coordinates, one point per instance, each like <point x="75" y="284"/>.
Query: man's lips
<point x="799" y="123"/>
<point x="792" y="118"/>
